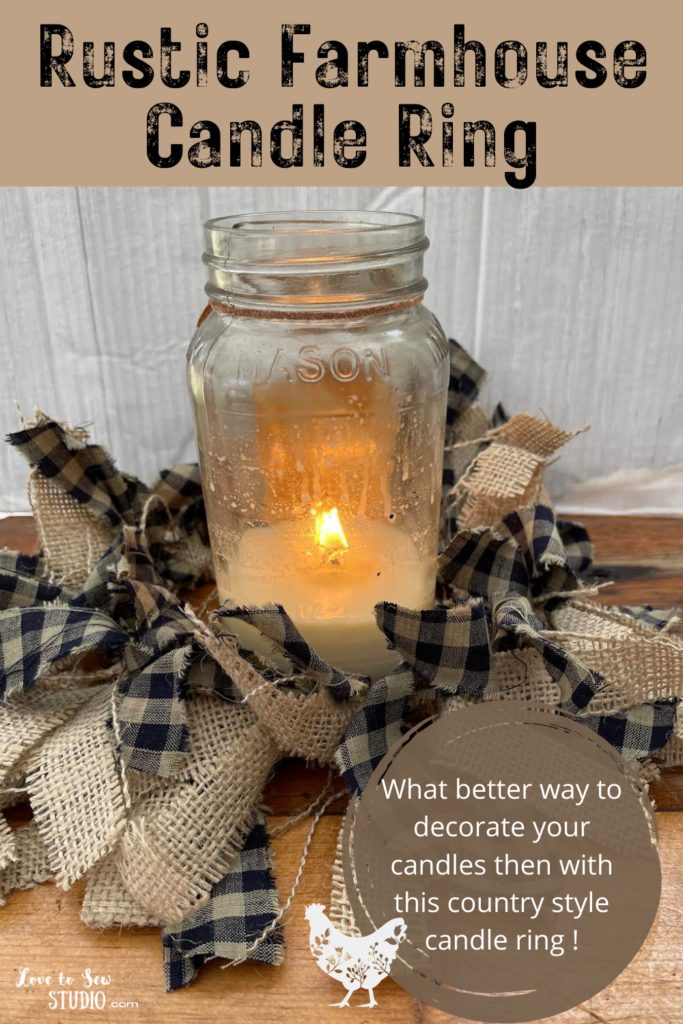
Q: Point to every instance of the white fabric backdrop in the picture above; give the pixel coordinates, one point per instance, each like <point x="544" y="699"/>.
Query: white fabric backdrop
<point x="571" y="297"/>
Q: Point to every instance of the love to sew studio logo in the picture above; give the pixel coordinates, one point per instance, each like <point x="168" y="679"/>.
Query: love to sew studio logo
<point x="357" y="962"/>
<point x="86" y="991"/>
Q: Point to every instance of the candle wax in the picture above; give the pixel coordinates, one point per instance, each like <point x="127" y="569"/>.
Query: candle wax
<point x="330" y="592"/>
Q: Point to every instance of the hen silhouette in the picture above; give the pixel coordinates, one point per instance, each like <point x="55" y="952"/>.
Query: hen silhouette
<point x="357" y="962"/>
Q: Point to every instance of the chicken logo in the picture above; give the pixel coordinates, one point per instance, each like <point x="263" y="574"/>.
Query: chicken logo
<point x="357" y="962"/>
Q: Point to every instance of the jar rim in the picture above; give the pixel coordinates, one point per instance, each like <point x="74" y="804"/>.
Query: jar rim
<point x="309" y="234"/>
<point x="321" y="257"/>
<point x="310" y="221"/>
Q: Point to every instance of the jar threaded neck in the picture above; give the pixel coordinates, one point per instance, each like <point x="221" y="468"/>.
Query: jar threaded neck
<point x="325" y="261"/>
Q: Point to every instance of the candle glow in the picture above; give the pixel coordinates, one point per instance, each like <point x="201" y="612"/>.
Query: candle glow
<point x="329" y="533"/>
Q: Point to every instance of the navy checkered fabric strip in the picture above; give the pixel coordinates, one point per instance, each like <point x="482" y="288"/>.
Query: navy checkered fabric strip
<point x="638" y="732"/>
<point x="241" y="906"/>
<point x="102" y="588"/>
<point x="27" y="565"/>
<point x="375" y="727"/>
<point x="127" y="558"/>
<point x="134" y="558"/>
<point x="179" y="485"/>
<point x="479" y="562"/>
<point x="85" y="471"/>
<point x="578" y="547"/>
<point x="179" y="489"/>
<point x="20" y="584"/>
<point x="447" y="647"/>
<point x="32" y="638"/>
<point x="273" y="622"/>
<point x="466" y="380"/>
<point x="152" y="715"/>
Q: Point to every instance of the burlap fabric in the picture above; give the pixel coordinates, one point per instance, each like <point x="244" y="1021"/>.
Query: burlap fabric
<point x="143" y="737"/>
<point x="74" y="788"/>
<point x="28" y="865"/>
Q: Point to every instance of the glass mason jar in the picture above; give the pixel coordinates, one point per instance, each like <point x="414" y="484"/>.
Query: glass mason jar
<point x="319" y="382"/>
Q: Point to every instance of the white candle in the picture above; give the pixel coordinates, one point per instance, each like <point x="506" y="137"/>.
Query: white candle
<point x="329" y="586"/>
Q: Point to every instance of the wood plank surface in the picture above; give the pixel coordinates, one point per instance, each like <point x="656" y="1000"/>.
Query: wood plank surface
<point x="41" y="929"/>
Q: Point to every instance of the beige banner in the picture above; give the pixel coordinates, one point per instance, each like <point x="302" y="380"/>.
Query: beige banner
<point x="93" y="132"/>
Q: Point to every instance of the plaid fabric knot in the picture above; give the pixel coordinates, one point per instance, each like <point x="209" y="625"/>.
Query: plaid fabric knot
<point x="126" y="558"/>
<point x="448" y="648"/>
<point x="530" y="561"/>
<point x="176" y="519"/>
<point x="534" y="531"/>
<point x="273" y="622"/>
<point x="517" y="625"/>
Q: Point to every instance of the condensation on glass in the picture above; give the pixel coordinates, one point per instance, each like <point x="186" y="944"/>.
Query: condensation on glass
<point x="319" y="383"/>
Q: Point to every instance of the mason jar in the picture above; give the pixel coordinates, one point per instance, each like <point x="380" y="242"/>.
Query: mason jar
<point x="319" y="383"/>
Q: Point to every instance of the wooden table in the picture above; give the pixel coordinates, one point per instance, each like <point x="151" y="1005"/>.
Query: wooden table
<point x="41" y="929"/>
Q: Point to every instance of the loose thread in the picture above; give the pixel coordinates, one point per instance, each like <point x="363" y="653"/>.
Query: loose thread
<point x="146" y="507"/>
<point x="655" y="639"/>
<point x="128" y="803"/>
<point x="293" y="891"/>
<point x="590" y="591"/>
<point x="205" y="604"/>
<point x="495" y="432"/>
<point x="280" y="829"/>
<point x="490" y="435"/>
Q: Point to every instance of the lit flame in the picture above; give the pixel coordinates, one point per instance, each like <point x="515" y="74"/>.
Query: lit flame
<point x="329" y="533"/>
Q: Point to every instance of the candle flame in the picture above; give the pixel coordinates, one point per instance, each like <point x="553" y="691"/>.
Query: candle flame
<point x="329" y="533"/>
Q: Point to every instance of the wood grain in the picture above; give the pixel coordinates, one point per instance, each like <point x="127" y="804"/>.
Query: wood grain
<point x="640" y="557"/>
<point x="41" y="929"/>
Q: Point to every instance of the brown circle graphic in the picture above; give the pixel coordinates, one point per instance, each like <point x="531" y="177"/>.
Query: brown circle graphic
<point x="519" y="849"/>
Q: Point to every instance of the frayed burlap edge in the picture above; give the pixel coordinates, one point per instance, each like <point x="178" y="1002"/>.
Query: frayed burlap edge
<point x="507" y="473"/>
<point x="74" y="787"/>
<point x="341" y="912"/>
<point x="30" y="865"/>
